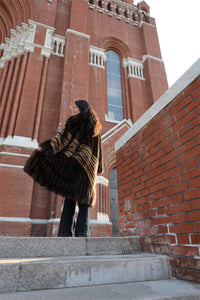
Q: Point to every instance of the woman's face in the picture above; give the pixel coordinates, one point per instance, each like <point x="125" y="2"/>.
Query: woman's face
<point x="76" y="110"/>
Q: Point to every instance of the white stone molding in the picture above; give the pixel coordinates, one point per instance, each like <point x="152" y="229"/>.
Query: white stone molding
<point x="149" y="24"/>
<point x="111" y="120"/>
<point x="123" y="124"/>
<point x="11" y="166"/>
<point x="102" y="217"/>
<point x="58" y="45"/>
<point x="122" y="6"/>
<point x="13" y="219"/>
<point x="19" y="141"/>
<point x="14" y="154"/>
<point x="135" y="68"/>
<point x="22" y="40"/>
<point x="46" y="50"/>
<point x="144" y="57"/>
<point x="77" y="33"/>
<point x="97" y="57"/>
<point x="102" y="180"/>
<point x="180" y="85"/>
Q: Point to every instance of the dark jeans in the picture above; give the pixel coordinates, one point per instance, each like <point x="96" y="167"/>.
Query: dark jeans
<point x="67" y="221"/>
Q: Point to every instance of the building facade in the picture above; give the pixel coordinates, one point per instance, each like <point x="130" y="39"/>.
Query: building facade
<point x="52" y="53"/>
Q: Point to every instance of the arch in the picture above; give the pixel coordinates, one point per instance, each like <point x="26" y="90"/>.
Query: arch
<point x="4" y="26"/>
<point x="109" y="6"/>
<point x="109" y="162"/>
<point x="117" y="10"/>
<point x="13" y="13"/>
<point x="116" y="44"/>
<point x="114" y="86"/>
<point x="100" y="3"/>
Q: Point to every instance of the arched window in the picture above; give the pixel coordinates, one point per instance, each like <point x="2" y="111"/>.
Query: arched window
<point x="109" y="7"/>
<point x="114" y="87"/>
<point x="117" y="10"/>
<point x="100" y="3"/>
<point x="125" y="13"/>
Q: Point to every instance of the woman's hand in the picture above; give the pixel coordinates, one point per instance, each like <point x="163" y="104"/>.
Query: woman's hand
<point x="39" y="149"/>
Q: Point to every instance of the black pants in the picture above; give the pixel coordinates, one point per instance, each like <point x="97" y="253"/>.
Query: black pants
<point x="67" y="221"/>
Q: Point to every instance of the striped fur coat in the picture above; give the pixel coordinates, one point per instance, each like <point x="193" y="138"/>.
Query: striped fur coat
<point x="69" y="163"/>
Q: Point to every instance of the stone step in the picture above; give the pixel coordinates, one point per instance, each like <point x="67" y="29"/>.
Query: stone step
<point x="13" y="247"/>
<point x="148" y="290"/>
<point x="75" y="271"/>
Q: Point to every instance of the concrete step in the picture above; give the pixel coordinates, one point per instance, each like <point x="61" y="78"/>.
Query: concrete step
<point x="75" y="271"/>
<point x="149" y="290"/>
<point x="13" y="247"/>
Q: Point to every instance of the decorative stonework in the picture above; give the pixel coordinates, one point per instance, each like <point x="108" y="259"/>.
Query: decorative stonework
<point x="102" y="180"/>
<point x="58" y="45"/>
<point x="117" y="8"/>
<point x="97" y="57"/>
<point x="22" y="40"/>
<point x="135" y="67"/>
<point x="19" y="141"/>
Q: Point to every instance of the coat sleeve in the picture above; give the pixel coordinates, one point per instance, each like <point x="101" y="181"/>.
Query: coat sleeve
<point x="100" y="165"/>
<point x="60" y="141"/>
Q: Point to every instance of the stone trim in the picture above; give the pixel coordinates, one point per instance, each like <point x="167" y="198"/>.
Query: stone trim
<point x="13" y="219"/>
<point x="102" y="180"/>
<point x="11" y="166"/>
<point x="135" y="67"/>
<point x="46" y="221"/>
<point x="14" y="154"/>
<point x="181" y="84"/>
<point x="115" y="129"/>
<point x="144" y="57"/>
<point x="19" y="141"/>
<point x="103" y="217"/>
<point x="97" y="57"/>
<point x="22" y="40"/>
<point x="77" y="33"/>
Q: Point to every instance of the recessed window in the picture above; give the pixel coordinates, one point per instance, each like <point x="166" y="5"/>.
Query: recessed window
<point x="109" y="7"/>
<point x="100" y="4"/>
<point x="134" y="17"/>
<point x="114" y="86"/>
<point x="125" y="13"/>
<point x="117" y="10"/>
<point x="91" y="1"/>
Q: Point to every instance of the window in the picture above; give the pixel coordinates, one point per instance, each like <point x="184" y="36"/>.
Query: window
<point x="109" y="7"/>
<point x="91" y="1"/>
<point x="117" y="10"/>
<point x="114" y="87"/>
<point x="125" y="13"/>
<point x="100" y="4"/>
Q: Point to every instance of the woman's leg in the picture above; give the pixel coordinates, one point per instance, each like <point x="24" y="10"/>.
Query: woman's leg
<point x="82" y="224"/>
<point x="67" y="218"/>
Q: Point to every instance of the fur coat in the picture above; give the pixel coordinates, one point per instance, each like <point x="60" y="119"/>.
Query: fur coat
<point x="68" y="163"/>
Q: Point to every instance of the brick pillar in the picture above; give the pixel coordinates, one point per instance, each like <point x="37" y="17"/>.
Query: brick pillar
<point x="154" y="70"/>
<point x="138" y="90"/>
<point x="76" y="64"/>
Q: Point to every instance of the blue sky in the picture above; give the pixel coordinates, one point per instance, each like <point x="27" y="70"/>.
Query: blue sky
<point x="178" y="26"/>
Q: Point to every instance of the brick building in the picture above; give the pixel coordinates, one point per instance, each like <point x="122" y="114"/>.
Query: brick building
<point x="55" y="51"/>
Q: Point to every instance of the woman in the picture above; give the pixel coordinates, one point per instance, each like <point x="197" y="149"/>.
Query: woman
<point x="68" y="164"/>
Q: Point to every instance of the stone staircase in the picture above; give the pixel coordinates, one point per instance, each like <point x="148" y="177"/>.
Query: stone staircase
<point x="28" y="264"/>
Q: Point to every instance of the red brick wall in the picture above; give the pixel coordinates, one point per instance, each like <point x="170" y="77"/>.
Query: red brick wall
<point x="159" y="184"/>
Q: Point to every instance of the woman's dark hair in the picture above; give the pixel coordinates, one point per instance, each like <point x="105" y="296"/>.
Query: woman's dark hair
<point x="92" y="123"/>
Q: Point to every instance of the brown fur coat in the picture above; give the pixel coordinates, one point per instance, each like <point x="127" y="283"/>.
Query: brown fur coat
<point x="69" y="163"/>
